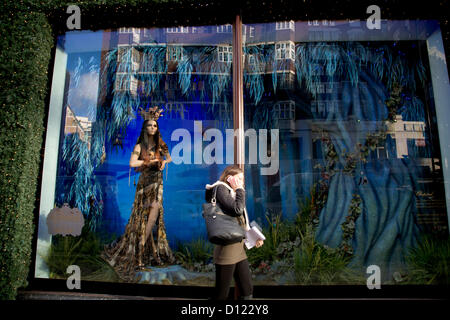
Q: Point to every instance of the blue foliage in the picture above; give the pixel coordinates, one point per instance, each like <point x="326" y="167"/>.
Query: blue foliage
<point x="413" y="109"/>
<point x="184" y="69"/>
<point x="347" y="59"/>
<point x="79" y="186"/>
<point x="123" y="107"/>
<point x="264" y="117"/>
<point x="254" y="71"/>
<point x="153" y="68"/>
<point x="219" y="75"/>
<point x="387" y="225"/>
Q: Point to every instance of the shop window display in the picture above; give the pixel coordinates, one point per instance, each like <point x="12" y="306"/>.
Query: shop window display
<point x="342" y="156"/>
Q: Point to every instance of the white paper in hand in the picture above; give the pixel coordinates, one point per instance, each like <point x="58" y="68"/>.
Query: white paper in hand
<point x="252" y="236"/>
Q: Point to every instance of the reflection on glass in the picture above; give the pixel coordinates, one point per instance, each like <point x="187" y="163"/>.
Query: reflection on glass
<point x="359" y="180"/>
<point x="342" y="161"/>
<point x="186" y="71"/>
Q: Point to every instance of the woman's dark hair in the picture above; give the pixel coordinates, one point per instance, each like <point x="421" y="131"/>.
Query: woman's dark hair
<point x="230" y="171"/>
<point x="144" y="137"/>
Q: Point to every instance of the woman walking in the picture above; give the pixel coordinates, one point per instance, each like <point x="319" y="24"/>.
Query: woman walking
<point x="231" y="260"/>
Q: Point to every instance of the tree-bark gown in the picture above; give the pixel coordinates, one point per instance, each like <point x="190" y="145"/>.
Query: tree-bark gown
<point x="124" y="253"/>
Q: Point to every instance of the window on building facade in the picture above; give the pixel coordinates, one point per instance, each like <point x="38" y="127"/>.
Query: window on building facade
<point x="126" y="30"/>
<point x="225" y="53"/>
<point x="251" y="59"/>
<point x="285" y="25"/>
<point x="174" y="53"/>
<point x="285" y="110"/>
<point x="226" y="28"/>
<point x="177" y="30"/>
<point x="248" y="31"/>
<point x="285" y="50"/>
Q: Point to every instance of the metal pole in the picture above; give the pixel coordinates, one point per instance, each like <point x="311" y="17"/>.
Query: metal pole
<point x="238" y="93"/>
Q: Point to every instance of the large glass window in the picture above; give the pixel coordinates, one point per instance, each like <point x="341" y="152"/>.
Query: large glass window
<point x="342" y="153"/>
<point x="355" y="173"/>
<point x="113" y="81"/>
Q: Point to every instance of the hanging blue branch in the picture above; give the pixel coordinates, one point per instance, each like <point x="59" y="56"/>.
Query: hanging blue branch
<point x="304" y="65"/>
<point x="351" y="62"/>
<point x="216" y="74"/>
<point x="125" y="61"/>
<point x="153" y="67"/>
<point x="98" y="139"/>
<point x="219" y="76"/>
<point x="81" y="188"/>
<point x="123" y="106"/>
<point x="346" y="60"/>
<point x="421" y="73"/>
<point x="184" y="70"/>
<point x="264" y="117"/>
<point x="107" y="77"/>
<point x="377" y="65"/>
<point x="255" y="70"/>
<point x="412" y="109"/>
<point x="123" y="74"/>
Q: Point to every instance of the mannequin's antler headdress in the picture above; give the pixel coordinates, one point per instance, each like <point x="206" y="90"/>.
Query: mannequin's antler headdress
<point x="151" y="114"/>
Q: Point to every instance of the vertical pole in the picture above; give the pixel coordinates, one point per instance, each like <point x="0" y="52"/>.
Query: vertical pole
<point x="238" y="103"/>
<point x="238" y="93"/>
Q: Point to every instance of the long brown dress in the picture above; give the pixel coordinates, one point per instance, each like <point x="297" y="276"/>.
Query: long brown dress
<point x="124" y="254"/>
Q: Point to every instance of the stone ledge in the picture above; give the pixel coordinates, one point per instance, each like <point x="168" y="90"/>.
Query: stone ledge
<point x="55" y="295"/>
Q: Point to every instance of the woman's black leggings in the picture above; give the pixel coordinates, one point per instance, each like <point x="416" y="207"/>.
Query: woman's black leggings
<point x="242" y="278"/>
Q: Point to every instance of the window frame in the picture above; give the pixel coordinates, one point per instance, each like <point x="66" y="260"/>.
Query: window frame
<point x="237" y="115"/>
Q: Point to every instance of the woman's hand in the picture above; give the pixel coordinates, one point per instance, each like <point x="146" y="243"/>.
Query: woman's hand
<point x="149" y="162"/>
<point x="163" y="164"/>
<point x="235" y="182"/>
<point x="259" y="243"/>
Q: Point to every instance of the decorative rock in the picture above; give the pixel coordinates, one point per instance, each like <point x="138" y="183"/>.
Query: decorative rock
<point x="162" y="276"/>
<point x="179" y="276"/>
<point x="169" y="275"/>
<point x="397" y="276"/>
